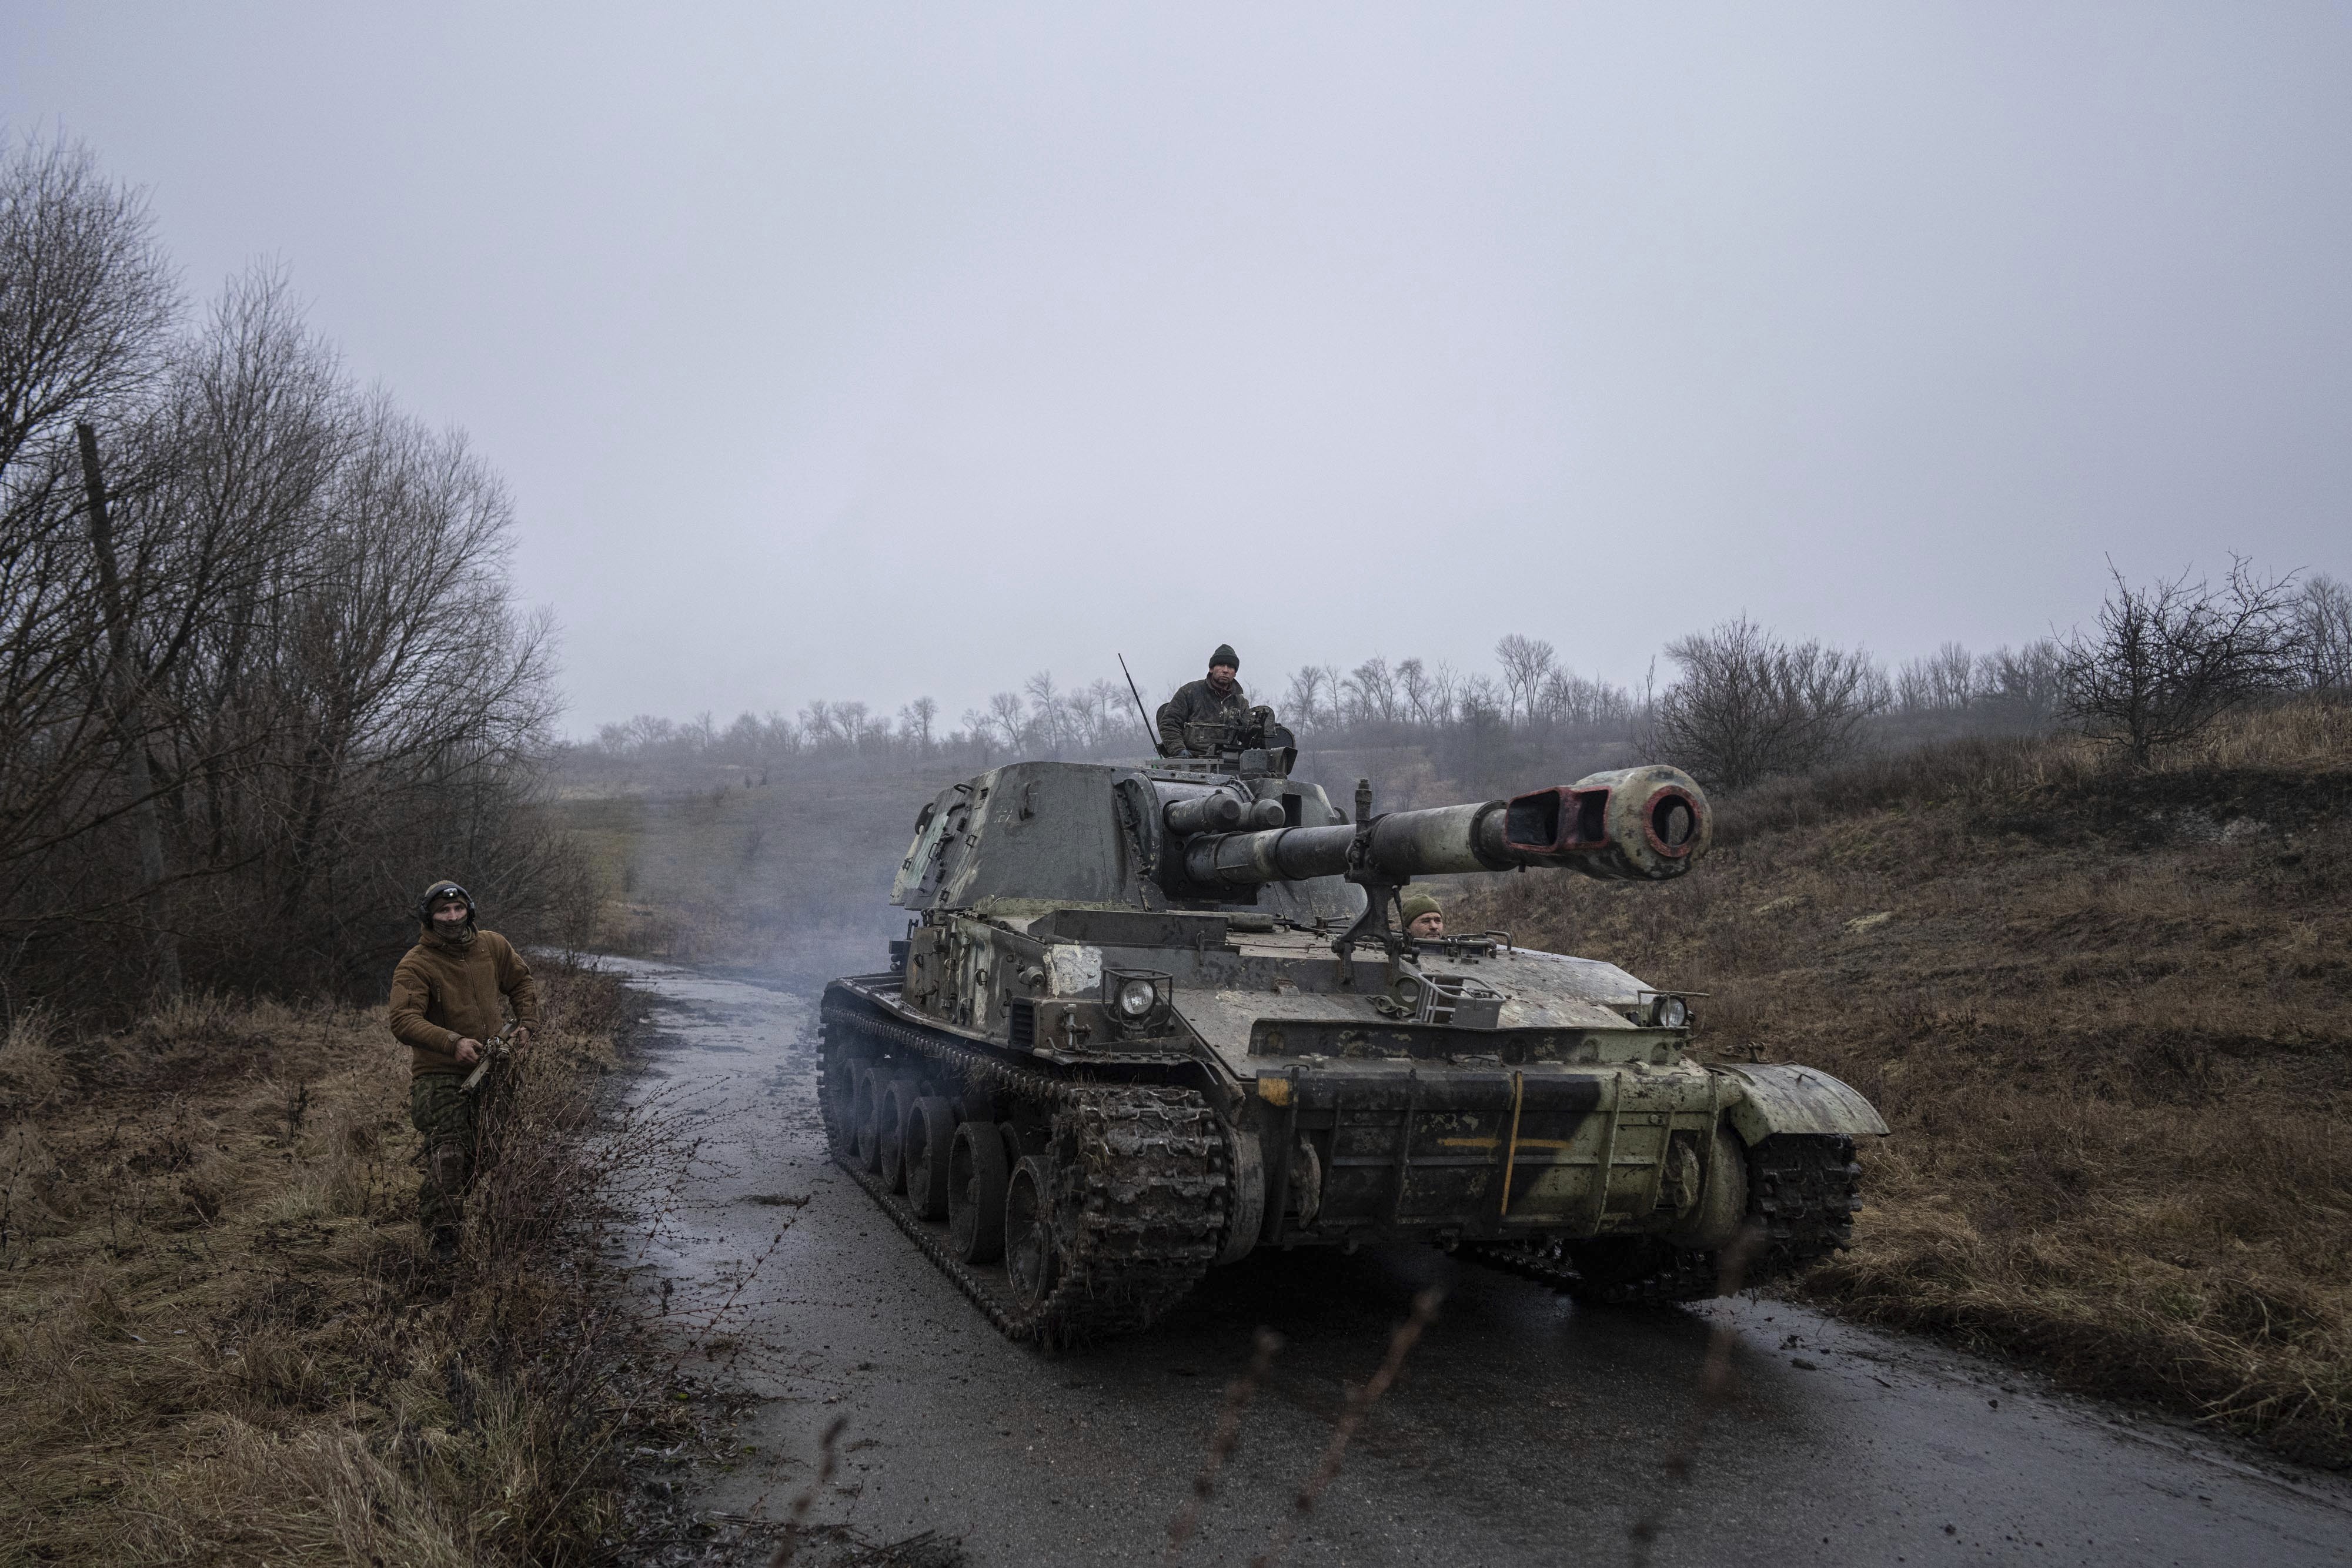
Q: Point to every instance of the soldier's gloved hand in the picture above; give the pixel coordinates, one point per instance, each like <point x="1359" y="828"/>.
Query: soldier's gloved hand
<point x="469" y="1051"/>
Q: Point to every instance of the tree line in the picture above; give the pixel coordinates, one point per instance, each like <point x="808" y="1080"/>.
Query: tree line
<point x="263" y="674"/>
<point x="1741" y="703"/>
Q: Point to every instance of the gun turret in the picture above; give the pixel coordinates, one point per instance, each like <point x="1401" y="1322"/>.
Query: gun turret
<point x="1196" y="833"/>
<point x="1647" y="824"/>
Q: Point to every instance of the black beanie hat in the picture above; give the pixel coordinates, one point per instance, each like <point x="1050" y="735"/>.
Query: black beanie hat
<point x="1225" y="655"/>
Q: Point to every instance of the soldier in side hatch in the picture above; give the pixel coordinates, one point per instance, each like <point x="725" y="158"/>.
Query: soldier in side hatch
<point x="1423" y="917"/>
<point x="1215" y="699"/>
<point x="448" y="996"/>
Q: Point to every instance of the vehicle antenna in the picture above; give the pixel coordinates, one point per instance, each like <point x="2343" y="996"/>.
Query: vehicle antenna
<point x="1158" y="749"/>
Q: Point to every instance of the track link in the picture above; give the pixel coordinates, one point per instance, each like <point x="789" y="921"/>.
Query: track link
<point x="1801" y="1189"/>
<point x="1143" y="1194"/>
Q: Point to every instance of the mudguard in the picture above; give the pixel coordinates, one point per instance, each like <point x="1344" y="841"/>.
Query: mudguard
<point x="1784" y="1098"/>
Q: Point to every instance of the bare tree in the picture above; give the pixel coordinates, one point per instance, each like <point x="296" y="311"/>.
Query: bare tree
<point x="916" y="721"/>
<point x="858" y="728"/>
<point x="87" y="303"/>
<point x="1048" y="720"/>
<point x="1117" y="721"/>
<point x="1305" y="701"/>
<point x="1567" y="697"/>
<point x="87" y="299"/>
<point x="1008" y="719"/>
<point x="2024" y="684"/>
<point x="1445" y="692"/>
<point x="1943" y="681"/>
<point x="1749" y="705"/>
<point x="979" y="731"/>
<point x="1526" y="661"/>
<point x="1372" y="691"/>
<point x="1414" y="690"/>
<point x="1083" y="712"/>
<point x="2323" y="615"/>
<point x="2169" y="657"/>
<point x="818" y="723"/>
<point x="1479" y="697"/>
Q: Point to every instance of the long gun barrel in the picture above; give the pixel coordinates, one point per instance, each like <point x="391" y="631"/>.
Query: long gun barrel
<point x="1646" y="824"/>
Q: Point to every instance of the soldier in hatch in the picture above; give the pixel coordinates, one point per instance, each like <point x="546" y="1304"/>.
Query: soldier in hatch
<point x="446" y="1003"/>
<point x="1217" y="699"/>
<point x="1423" y="918"/>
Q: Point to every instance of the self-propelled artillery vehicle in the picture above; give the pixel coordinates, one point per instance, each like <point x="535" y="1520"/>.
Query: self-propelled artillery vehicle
<point x="1147" y="1019"/>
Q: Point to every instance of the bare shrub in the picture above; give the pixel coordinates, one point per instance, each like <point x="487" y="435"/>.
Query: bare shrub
<point x="1749" y="704"/>
<point x="29" y="1069"/>
<point x="2170" y="656"/>
<point x="2322" y="615"/>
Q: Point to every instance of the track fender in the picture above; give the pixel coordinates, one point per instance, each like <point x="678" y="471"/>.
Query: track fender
<point x="1781" y="1097"/>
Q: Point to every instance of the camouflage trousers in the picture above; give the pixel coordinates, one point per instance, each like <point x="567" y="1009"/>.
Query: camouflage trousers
<point x="444" y="1113"/>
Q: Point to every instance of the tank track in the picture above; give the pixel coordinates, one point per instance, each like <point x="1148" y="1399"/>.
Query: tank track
<point x="1804" y="1190"/>
<point x="1144" y="1199"/>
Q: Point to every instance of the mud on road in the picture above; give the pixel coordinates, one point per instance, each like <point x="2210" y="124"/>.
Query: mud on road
<point x="1524" y="1430"/>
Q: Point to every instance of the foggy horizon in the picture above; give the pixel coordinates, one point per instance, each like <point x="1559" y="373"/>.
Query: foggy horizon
<point x="862" y="357"/>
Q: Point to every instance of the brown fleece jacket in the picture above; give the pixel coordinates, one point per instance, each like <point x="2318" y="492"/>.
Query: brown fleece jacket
<point x="443" y="993"/>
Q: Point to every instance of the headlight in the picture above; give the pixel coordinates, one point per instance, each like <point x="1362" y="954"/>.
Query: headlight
<point x="1673" y="1012"/>
<point x="1136" y="997"/>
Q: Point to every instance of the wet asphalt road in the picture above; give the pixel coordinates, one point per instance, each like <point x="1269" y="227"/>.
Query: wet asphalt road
<point x="1525" y="1430"/>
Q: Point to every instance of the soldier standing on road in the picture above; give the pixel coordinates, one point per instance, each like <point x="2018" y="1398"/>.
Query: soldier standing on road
<point x="1217" y="699"/>
<point x="445" y="999"/>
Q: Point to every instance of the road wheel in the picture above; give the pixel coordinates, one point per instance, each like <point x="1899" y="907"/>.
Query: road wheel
<point x="1013" y="1150"/>
<point x="865" y="1115"/>
<point x="930" y="1128"/>
<point x="837" y="1098"/>
<point x="1031" y="1258"/>
<point x="897" y="1102"/>
<point x="976" y="1182"/>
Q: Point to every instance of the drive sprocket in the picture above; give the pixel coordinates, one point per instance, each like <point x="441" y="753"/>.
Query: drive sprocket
<point x="1803" y="1192"/>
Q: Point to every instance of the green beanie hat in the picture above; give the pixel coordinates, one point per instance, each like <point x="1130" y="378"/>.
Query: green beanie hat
<point x="440" y="891"/>
<point x="1225" y="655"/>
<point x="1414" y="905"/>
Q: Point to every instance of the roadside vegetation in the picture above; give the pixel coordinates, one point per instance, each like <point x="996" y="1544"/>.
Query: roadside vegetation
<point x="221" y="1339"/>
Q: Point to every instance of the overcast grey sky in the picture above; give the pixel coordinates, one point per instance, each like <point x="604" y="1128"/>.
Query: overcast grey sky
<point x="864" y="352"/>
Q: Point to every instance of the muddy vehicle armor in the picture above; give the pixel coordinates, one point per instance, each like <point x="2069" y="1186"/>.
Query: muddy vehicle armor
<point x="1147" y="1019"/>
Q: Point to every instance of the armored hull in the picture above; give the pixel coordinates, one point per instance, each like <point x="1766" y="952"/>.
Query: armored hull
<point x="1121" y="1045"/>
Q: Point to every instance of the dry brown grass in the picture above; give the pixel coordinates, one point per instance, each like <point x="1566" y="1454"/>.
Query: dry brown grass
<point x="2104" y="1014"/>
<point x="218" y="1339"/>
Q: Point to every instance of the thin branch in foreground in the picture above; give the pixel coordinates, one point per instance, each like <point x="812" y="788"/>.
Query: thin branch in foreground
<point x="1239" y="1392"/>
<point x="1359" y="1405"/>
<point x="828" y="1459"/>
<point x="1714" y="1385"/>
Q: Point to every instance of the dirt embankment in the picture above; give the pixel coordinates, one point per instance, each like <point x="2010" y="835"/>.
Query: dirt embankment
<point x="2106" y="1016"/>
<point x="220" y="1341"/>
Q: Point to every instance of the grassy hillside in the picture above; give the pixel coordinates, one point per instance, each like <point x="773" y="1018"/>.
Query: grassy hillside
<point x="2104" y="1015"/>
